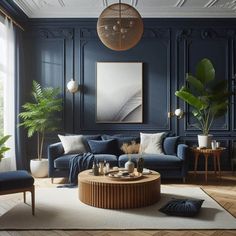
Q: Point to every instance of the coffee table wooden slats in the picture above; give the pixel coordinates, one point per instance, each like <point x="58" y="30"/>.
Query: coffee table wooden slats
<point x="101" y="191"/>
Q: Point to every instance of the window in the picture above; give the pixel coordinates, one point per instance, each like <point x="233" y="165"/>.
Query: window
<point x="7" y="88"/>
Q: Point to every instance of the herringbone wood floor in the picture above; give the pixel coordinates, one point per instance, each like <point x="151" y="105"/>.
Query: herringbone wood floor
<point x="223" y="191"/>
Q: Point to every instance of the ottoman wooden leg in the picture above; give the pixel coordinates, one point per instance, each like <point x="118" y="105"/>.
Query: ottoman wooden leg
<point x="24" y="195"/>
<point x="33" y="200"/>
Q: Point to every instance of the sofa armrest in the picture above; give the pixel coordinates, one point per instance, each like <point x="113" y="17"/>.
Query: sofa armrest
<point x="54" y="150"/>
<point x="182" y="150"/>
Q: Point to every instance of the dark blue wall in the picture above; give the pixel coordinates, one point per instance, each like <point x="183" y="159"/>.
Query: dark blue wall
<point x="58" y="50"/>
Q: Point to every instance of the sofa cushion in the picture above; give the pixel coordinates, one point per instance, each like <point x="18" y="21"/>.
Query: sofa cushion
<point x="153" y="161"/>
<point x="104" y="146"/>
<point x="170" y="145"/>
<point x="121" y="139"/>
<point x="182" y="207"/>
<point x="63" y="162"/>
<point x="72" y="143"/>
<point x="151" y="143"/>
<point x="111" y="159"/>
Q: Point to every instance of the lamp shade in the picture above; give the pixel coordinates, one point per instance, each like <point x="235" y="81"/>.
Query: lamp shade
<point x="120" y="27"/>
<point x="72" y="86"/>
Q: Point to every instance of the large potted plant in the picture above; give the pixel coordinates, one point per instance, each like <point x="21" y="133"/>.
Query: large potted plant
<point x="207" y="97"/>
<point x="39" y="117"/>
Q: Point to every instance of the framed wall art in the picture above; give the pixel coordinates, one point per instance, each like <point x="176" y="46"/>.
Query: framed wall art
<point x="119" y="92"/>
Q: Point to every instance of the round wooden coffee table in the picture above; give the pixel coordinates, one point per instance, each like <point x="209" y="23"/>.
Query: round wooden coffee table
<point x="102" y="191"/>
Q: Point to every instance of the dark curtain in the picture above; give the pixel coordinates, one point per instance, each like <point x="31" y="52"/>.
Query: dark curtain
<point x="20" y="86"/>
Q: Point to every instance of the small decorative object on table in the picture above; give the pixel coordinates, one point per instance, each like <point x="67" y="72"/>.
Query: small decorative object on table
<point x="130" y="149"/>
<point x="95" y="169"/>
<point x="101" y="167"/>
<point x="107" y="167"/>
<point x="121" y="175"/>
<point x="140" y="165"/>
<point x="129" y="165"/>
<point x="213" y="144"/>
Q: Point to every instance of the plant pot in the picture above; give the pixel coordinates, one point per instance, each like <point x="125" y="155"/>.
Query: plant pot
<point x="39" y="168"/>
<point x="204" y="140"/>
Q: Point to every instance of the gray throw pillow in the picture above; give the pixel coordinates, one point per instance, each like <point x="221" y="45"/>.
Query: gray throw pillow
<point x="72" y="144"/>
<point x="151" y="143"/>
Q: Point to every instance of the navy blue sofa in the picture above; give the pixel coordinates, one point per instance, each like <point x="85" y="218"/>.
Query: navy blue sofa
<point x="173" y="163"/>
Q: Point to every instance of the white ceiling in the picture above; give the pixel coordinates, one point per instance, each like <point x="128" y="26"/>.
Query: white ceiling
<point x="147" y="8"/>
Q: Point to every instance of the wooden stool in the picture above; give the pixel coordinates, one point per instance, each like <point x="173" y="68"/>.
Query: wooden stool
<point x="18" y="181"/>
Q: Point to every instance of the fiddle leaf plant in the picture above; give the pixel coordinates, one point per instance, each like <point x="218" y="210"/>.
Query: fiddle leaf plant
<point x="3" y="148"/>
<point x="207" y="96"/>
<point x="39" y="116"/>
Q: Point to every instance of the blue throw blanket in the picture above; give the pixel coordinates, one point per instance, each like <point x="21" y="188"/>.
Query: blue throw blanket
<point x="78" y="163"/>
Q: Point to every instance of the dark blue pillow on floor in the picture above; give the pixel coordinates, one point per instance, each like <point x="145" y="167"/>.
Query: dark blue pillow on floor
<point x="104" y="146"/>
<point x="182" y="207"/>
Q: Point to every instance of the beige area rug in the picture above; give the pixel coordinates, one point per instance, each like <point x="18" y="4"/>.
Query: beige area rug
<point x="61" y="209"/>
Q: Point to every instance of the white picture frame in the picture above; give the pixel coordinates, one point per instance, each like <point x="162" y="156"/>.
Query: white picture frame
<point x="119" y="92"/>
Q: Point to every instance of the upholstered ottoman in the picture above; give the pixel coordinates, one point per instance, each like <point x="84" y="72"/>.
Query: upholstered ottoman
<point x="17" y="181"/>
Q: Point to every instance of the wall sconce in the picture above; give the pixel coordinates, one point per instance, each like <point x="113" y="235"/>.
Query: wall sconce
<point x="72" y="86"/>
<point x="179" y="113"/>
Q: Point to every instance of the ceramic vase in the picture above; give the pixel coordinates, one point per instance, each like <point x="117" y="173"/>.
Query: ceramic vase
<point x="129" y="166"/>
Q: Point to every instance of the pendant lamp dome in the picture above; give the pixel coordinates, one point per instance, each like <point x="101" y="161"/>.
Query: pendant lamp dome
<point x="120" y="27"/>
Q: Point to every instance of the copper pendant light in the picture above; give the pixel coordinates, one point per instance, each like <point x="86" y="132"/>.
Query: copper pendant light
<point x="120" y="26"/>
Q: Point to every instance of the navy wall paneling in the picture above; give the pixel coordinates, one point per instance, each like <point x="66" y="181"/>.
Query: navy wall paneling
<point x="65" y="49"/>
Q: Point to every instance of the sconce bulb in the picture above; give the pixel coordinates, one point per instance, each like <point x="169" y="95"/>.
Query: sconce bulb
<point x="179" y="112"/>
<point x="73" y="86"/>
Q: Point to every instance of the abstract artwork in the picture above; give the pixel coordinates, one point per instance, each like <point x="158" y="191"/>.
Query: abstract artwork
<point x="119" y="92"/>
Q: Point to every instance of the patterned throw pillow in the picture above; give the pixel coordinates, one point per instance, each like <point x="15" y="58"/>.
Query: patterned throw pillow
<point x="182" y="207"/>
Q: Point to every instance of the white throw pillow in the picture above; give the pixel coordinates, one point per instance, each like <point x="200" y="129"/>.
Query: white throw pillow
<point x="72" y="144"/>
<point x="151" y="143"/>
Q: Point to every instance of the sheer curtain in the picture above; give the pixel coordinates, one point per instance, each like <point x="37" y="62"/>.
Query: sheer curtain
<point x="9" y="89"/>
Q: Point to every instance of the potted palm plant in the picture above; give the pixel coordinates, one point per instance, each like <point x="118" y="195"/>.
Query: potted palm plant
<point x="3" y="148"/>
<point x="39" y="117"/>
<point x="207" y="97"/>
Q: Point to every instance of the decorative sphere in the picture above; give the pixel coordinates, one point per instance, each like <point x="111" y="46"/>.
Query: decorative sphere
<point x="120" y="16"/>
<point x="179" y="112"/>
<point x="72" y="86"/>
<point x="115" y="28"/>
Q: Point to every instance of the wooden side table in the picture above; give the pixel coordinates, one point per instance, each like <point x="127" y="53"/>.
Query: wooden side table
<point x="207" y="152"/>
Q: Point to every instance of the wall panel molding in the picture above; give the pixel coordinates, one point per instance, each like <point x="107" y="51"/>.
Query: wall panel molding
<point x="196" y="42"/>
<point x="169" y="48"/>
<point x="87" y="39"/>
